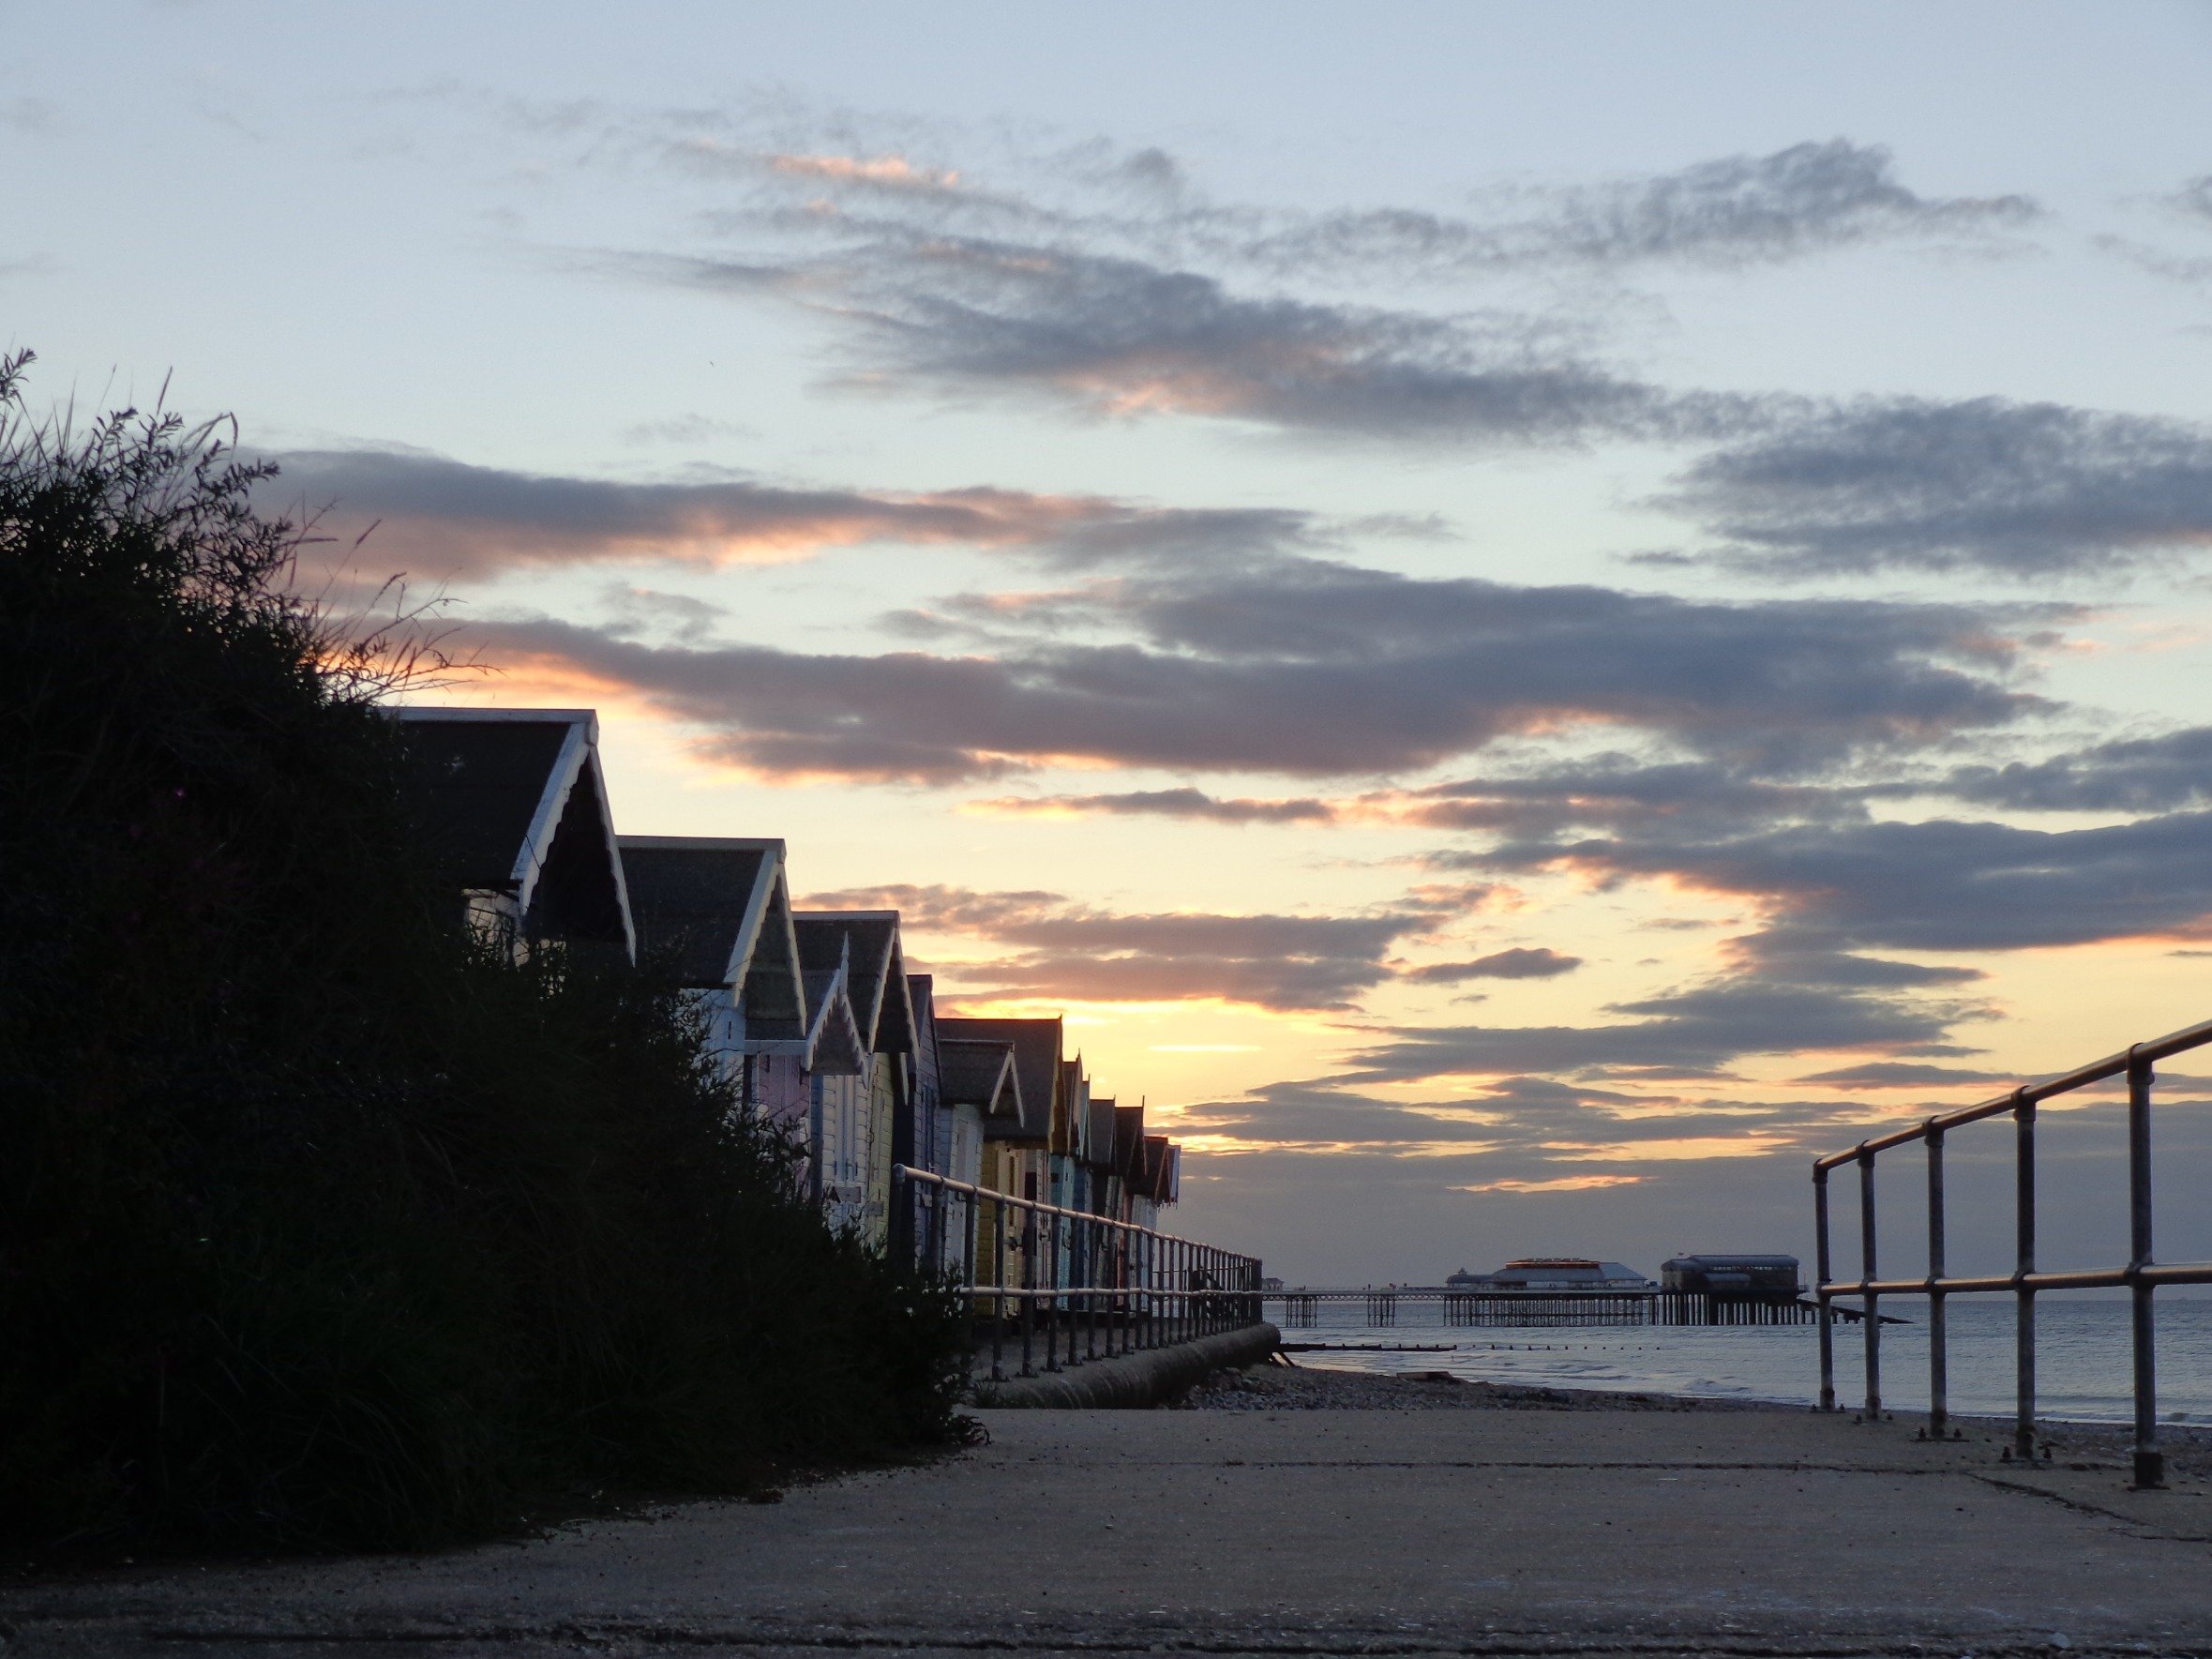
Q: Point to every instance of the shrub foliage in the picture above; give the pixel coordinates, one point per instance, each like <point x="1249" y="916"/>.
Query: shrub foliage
<point x="318" y="1225"/>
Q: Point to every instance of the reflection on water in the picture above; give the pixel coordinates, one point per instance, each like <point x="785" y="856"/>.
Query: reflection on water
<point x="2081" y="1351"/>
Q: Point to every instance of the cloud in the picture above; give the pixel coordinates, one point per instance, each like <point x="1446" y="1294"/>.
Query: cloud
<point x="1669" y="1150"/>
<point x="1169" y="803"/>
<point x="29" y="116"/>
<point x="2127" y="775"/>
<point x="1517" y="963"/>
<point x="1317" y="669"/>
<point x="687" y="429"/>
<point x="2017" y="489"/>
<point x="1932" y="886"/>
<point x="1696" y="1030"/>
<point x="1109" y="280"/>
<point x="1896" y="1074"/>
<point x="1116" y="335"/>
<point x="450" y="519"/>
<point x="1728" y="211"/>
<point x="1517" y="1134"/>
<point x="1051" y="947"/>
<point x="1615" y="790"/>
<point x="883" y="173"/>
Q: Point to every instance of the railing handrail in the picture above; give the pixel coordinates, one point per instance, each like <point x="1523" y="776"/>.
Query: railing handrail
<point x="2140" y="1275"/>
<point x="930" y="1178"/>
<point x="2112" y="1066"/>
<point x="1085" y="1279"/>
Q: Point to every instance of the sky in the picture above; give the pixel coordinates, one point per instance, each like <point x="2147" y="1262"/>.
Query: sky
<point x="1528" y="616"/>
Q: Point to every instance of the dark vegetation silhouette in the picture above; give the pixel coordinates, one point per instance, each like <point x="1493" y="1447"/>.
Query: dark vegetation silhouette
<point x="319" y="1223"/>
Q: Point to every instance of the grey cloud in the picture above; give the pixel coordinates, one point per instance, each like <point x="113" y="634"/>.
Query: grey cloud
<point x="1934" y="885"/>
<point x="1731" y="210"/>
<point x="1311" y="1113"/>
<point x="447" y="518"/>
<point x="2130" y="775"/>
<point x="29" y="116"/>
<point x="1619" y="791"/>
<point x="1521" y="962"/>
<point x="1119" y="334"/>
<point x="2019" y="490"/>
<point x="1520" y="1127"/>
<point x="2195" y="197"/>
<point x="686" y="429"/>
<point x="1327" y="669"/>
<point x="1054" y="949"/>
<point x="681" y="618"/>
<point x="1898" y="1074"/>
<point x="1174" y="802"/>
<point x="1697" y="1030"/>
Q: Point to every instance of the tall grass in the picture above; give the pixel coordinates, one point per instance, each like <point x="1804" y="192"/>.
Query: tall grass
<point x="318" y="1225"/>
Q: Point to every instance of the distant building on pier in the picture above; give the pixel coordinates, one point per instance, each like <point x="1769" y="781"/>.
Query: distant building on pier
<point x="1732" y="1276"/>
<point x="1552" y="1273"/>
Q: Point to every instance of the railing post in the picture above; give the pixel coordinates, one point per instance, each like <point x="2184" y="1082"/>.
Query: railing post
<point x="1029" y="1284"/>
<point x="2024" y="1341"/>
<point x="998" y="1272"/>
<point x="2150" y="1463"/>
<point x="1822" y="1273"/>
<point x="1866" y="1277"/>
<point x="1938" y="1332"/>
<point x="1051" y="1284"/>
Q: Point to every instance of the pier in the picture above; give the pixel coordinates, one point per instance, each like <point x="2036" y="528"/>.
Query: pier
<point x="1299" y="1308"/>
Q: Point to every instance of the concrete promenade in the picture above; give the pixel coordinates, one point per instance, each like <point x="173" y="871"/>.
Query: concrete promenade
<point x="1265" y="1532"/>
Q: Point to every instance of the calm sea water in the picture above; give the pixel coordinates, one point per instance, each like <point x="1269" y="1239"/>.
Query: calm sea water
<point x="2081" y="1357"/>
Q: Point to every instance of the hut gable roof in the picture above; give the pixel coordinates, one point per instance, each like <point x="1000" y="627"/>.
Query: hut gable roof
<point x="877" y="983"/>
<point x="922" y="999"/>
<point x="716" y="910"/>
<point x="833" y="1042"/>
<point x="1036" y="1063"/>
<point x="1129" y="1144"/>
<point x="1098" y="1143"/>
<point x="1158" y="1180"/>
<point x="979" y="1072"/>
<point x="514" y="803"/>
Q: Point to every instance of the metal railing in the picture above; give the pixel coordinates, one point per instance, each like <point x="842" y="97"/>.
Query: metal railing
<point x="1083" y="1287"/>
<point x="2141" y="1277"/>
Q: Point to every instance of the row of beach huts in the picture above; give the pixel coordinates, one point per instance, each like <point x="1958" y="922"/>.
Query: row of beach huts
<point x="812" y="1014"/>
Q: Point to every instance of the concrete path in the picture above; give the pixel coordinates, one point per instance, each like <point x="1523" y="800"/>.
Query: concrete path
<point x="1299" y="1533"/>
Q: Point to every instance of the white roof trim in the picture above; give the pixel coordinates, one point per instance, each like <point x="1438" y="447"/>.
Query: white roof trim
<point x="538" y="840"/>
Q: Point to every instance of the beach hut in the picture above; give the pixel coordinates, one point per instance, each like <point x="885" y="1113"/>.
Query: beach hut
<point x="855" y="1115"/>
<point x="714" y="913"/>
<point x="515" y="812"/>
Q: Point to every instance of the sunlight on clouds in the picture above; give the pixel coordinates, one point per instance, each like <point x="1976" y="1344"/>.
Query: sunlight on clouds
<point x="1559" y="1184"/>
<point x="1232" y="1145"/>
<point x="894" y="171"/>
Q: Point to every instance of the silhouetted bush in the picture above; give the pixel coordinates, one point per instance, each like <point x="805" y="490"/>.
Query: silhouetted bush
<point x="317" y="1224"/>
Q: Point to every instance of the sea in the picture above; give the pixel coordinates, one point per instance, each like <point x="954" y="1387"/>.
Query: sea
<point x="2083" y="1356"/>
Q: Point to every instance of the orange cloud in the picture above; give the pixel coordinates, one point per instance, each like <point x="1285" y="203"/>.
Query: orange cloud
<point x="886" y="171"/>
